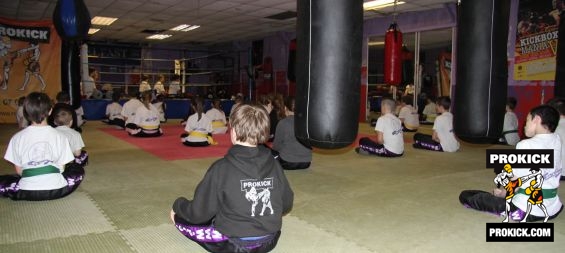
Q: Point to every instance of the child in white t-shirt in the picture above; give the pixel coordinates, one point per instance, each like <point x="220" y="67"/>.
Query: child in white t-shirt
<point x="114" y="112"/>
<point x="144" y="85"/>
<point x="145" y="122"/>
<point x="130" y="107"/>
<point x="174" y="86"/>
<point x="390" y="140"/>
<point x="521" y="189"/>
<point x="198" y="127"/>
<point x="510" y="129"/>
<point x="218" y="118"/>
<point x="161" y="106"/>
<point x="39" y="154"/>
<point x="443" y="138"/>
<point x="559" y="105"/>
<point x="429" y="111"/>
<point x="159" y="87"/>
<point x="408" y="115"/>
<point x="64" y="119"/>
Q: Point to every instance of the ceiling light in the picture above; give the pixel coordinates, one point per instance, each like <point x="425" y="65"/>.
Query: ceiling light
<point x="184" y="28"/>
<point x="98" y="20"/>
<point x="158" y="36"/>
<point x="379" y="4"/>
<point x="93" y="30"/>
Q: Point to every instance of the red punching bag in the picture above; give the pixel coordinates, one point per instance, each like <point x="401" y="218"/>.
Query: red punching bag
<point x="393" y="55"/>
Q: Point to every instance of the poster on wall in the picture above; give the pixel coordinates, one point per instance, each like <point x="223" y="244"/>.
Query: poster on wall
<point x="30" y="58"/>
<point x="536" y="39"/>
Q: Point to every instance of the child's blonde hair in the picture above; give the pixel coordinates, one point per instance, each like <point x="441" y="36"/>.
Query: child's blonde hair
<point x="251" y="124"/>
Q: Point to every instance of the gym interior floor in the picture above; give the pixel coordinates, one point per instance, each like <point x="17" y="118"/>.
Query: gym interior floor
<point x="344" y="203"/>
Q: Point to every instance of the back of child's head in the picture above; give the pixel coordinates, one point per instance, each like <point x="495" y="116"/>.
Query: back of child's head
<point x="160" y="98"/>
<point x="175" y="77"/>
<point x="217" y="103"/>
<point x="91" y="70"/>
<point x="63" y="116"/>
<point x="289" y="103"/>
<point x="388" y="103"/>
<point x="146" y="98"/>
<point x="444" y="102"/>
<point x="265" y="100"/>
<point x="198" y="106"/>
<point x="36" y="107"/>
<point x="558" y="103"/>
<point x="251" y="124"/>
<point x="144" y="77"/>
<point x="116" y="96"/>
<point x="549" y="116"/>
<point x="431" y="99"/>
<point x="408" y="99"/>
<point x="63" y="97"/>
<point x="511" y="103"/>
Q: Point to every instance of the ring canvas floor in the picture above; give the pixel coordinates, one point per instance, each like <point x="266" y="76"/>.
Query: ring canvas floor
<point x="344" y="203"/>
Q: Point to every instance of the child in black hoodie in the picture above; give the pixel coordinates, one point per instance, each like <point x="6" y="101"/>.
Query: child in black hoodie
<point x="238" y="206"/>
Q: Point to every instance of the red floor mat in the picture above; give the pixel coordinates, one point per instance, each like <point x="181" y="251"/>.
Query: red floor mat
<point x="169" y="147"/>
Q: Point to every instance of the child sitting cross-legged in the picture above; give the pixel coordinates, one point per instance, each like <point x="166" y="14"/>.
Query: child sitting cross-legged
<point x="39" y="154"/>
<point x="240" y="201"/>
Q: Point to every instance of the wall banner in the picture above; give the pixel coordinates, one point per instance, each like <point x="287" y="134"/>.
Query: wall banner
<point x="30" y="60"/>
<point x="536" y="39"/>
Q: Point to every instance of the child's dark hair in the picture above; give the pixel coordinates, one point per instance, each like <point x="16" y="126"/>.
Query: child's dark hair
<point x="37" y="106"/>
<point x="408" y="99"/>
<point x="290" y="103"/>
<point x="63" y="97"/>
<point x="558" y="103"/>
<point x="549" y="116"/>
<point x="511" y="102"/>
<point x="444" y="102"/>
<point x="63" y="116"/>
<point x="116" y="96"/>
<point x="91" y="70"/>
<point x="198" y="106"/>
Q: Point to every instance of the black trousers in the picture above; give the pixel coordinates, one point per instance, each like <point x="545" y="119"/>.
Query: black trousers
<point x="74" y="174"/>
<point x="289" y="165"/>
<point x="218" y="243"/>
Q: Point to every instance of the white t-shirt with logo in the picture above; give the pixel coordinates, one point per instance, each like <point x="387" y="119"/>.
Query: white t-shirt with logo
<point x="204" y="126"/>
<point x="39" y="146"/>
<point x="217" y="115"/>
<point x="74" y="137"/>
<point x="129" y="109"/>
<point x="443" y="125"/>
<point x="114" y="111"/>
<point x="551" y="176"/>
<point x="147" y="118"/>
<point x="391" y="127"/>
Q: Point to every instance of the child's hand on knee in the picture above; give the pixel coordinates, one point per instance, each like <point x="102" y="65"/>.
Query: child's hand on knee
<point x="172" y="216"/>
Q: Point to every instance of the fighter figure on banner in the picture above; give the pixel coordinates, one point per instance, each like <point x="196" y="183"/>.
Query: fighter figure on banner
<point x="31" y="62"/>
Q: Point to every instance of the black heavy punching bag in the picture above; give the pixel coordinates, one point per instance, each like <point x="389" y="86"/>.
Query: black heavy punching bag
<point x="72" y="21"/>
<point x="482" y="72"/>
<point x="559" y="90"/>
<point x="328" y="71"/>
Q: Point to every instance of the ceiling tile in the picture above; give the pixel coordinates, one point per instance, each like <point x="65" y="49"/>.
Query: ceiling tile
<point x="219" y="6"/>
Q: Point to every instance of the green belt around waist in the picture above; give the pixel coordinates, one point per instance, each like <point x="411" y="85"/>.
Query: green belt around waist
<point x="40" y="171"/>
<point x="547" y="193"/>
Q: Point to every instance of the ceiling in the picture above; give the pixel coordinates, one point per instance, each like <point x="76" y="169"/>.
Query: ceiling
<point x="220" y="20"/>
